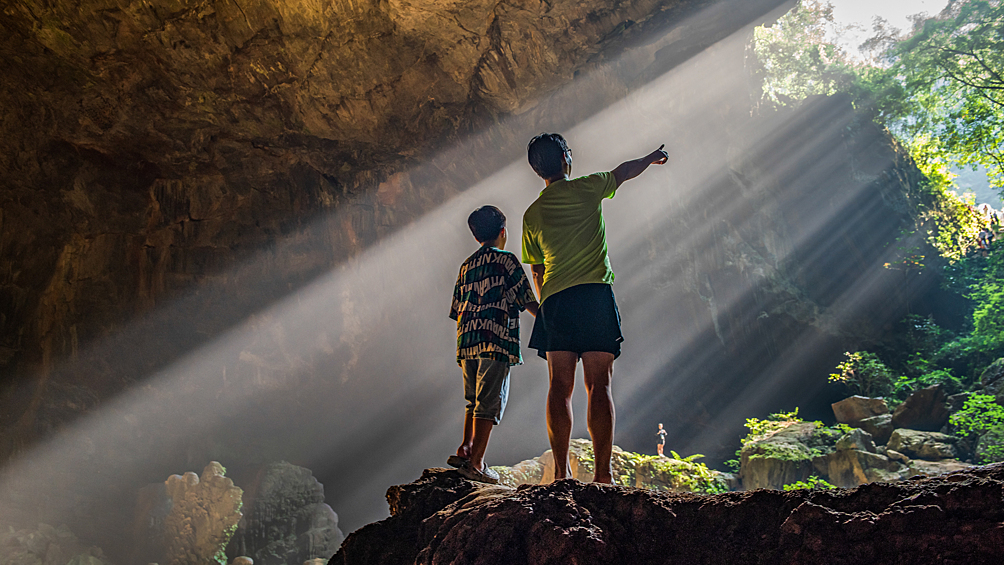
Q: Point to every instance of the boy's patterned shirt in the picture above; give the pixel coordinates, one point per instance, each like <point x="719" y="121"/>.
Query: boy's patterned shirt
<point x="491" y="290"/>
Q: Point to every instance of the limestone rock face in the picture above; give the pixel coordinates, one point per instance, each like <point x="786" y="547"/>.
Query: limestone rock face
<point x="442" y="518"/>
<point x="204" y="514"/>
<point x="856" y="408"/>
<point x="932" y="446"/>
<point x="286" y="520"/>
<point x="926" y="409"/>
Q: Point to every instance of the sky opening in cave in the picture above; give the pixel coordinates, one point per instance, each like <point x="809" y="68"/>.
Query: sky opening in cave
<point x="392" y="402"/>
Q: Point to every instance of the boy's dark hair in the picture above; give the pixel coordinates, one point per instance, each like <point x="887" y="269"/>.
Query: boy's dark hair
<point x="545" y="154"/>
<point x="486" y="223"/>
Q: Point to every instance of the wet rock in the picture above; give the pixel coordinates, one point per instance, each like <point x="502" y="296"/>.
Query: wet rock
<point x="926" y="409"/>
<point x="992" y="380"/>
<point x="856" y="408"/>
<point x="204" y="513"/>
<point x="443" y="519"/>
<point x="880" y="427"/>
<point x="856" y="439"/>
<point x="784" y="457"/>
<point x="915" y="444"/>
<point x="853" y="467"/>
<point x="286" y="520"/>
<point x="242" y="561"/>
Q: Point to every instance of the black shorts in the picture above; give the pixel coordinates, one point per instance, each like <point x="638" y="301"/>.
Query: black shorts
<point x="578" y="319"/>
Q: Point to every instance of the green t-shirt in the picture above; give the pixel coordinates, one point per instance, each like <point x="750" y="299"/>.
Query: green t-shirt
<point x="563" y="229"/>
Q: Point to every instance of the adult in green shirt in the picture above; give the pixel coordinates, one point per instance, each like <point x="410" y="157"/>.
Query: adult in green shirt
<point x="564" y="241"/>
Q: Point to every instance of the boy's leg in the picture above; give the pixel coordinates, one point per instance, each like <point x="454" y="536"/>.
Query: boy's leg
<point x="465" y="448"/>
<point x="470" y="371"/>
<point x="598" y="368"/>
<point x="492" y="395"/>
<point x="561" y="375"/>
<point x="482" y="433"/>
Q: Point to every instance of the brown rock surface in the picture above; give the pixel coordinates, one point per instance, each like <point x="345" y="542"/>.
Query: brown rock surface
<point x="856" y="408"/>
<point x="926" y="409"/>
<point x="442" y="518"/>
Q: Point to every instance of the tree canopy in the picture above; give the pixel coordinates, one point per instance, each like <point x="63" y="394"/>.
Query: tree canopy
<point x="940" y="87"/>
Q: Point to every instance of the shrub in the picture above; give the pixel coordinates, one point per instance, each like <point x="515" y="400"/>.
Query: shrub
<point x="981" y="417"/>
<point x="863" y="373"/>
<point x="812" y="483"/>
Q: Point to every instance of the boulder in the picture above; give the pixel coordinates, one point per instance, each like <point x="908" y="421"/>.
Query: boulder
<point x="880" y="427"/>
<point x="926" y="409"/>
<point x="957" y="401"/>
<point x="931" y="446"/>
<point x="784" y="457"/>
<point x="286" y="520"/>
<point x="992" y="380"/>
<point x="896" y="456"/>
<point x="527" y="472"/>
<point x="203" y="516"/>
<point x="856" y="439"/>
<point x="442" y="518"/>
<point x="856" y="408"/>
<point x="853" y="467"/>
<point x="919" y="468"/>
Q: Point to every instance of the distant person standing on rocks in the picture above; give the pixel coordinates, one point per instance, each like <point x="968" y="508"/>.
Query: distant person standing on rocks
<point x="662" y="440"/>
<point x="564" y="241"/>
<point x="491" y="290"/>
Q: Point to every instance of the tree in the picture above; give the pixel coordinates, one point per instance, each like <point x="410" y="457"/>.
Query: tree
<point x="952" y="72"/>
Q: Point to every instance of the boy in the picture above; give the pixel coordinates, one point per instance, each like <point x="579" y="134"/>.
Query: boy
<point x="491" y="290"/>
<point x="564" y="241"/>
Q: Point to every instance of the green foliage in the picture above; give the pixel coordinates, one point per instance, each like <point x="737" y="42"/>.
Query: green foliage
<point x="864" y="374"/>
<point x="733" y="464"/>
<point x="982" y="416"/>
<point x="796" y="60"/>
<point x="843" y="428"/>
<point x="759" y="429"/>
<point x="812" y="483"/>
<point x="979" y="414"/>
<point x="952" y="70"/>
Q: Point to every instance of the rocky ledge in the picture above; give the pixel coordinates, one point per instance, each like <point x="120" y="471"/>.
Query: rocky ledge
<point x="443" y="518"/>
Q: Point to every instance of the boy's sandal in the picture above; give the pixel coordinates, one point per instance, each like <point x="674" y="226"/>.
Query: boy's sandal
<point x="458" y="461"/>
<point x="486" y="475"/>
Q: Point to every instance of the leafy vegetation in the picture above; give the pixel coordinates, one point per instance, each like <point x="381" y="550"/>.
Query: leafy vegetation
<point x="864" y="374"/>
<point x="812" y="483"/>
<point x="981" y="415"/>
<point x="760" y="429"/>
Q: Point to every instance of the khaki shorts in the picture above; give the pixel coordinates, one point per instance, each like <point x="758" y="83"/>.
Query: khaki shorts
<point x="486" y="387"/>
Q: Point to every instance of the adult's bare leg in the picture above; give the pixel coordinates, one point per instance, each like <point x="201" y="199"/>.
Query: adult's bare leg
<point x="561" y="375"/>
<point x="598" y="367"/>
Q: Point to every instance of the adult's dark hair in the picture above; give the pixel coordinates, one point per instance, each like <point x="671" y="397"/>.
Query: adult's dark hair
<point x="545" y="155"/>
<point x="486" y="223"/>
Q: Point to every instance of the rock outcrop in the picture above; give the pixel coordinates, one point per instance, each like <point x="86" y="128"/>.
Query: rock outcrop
<point x="442" y="518"/>
<point x="286" y="520"/>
